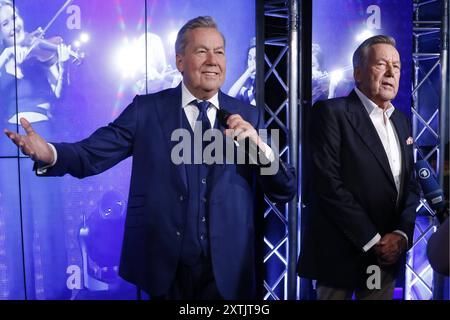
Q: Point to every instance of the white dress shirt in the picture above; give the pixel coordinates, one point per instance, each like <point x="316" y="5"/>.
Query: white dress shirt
<point x="191" y="110"/>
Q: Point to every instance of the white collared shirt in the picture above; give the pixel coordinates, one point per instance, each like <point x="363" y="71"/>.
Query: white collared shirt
<point x="388" y="136"/>
<point x="191" y="110"/>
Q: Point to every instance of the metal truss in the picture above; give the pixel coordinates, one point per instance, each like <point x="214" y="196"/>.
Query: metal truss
<point x="428" y="112"/>
<point x="280" y="238"/>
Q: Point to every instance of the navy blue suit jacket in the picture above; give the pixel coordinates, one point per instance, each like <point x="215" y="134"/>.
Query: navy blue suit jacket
<point x="158" y="194"/>
<point x="353" y="195"/>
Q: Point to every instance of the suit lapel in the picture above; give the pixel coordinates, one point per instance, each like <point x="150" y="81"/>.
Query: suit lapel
<point x="402" y="133"/>
<point x="360" y="121"/>
<point x="169" y="115"/>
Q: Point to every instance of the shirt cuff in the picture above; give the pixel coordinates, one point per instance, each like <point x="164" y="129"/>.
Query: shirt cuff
<point x="372" y="242"/>
<point x="400" y="232"/>
<point x="257" y="156"/>
<point x="43" y="169"/>
<point x="268" y="152"/>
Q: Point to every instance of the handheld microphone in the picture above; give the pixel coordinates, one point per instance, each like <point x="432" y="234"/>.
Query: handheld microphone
<point x="246" y="145"/>
<point x="223" y="116"/>
<point x="432" y="191"/>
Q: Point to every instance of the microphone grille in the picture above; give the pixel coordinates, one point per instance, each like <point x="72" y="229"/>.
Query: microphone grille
<point x="223" y="117"/>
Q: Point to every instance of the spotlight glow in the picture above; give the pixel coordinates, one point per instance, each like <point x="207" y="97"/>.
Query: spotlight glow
<point x="336" y="75"/>
<point x="130" y="58"/>
<point x="363" y="35"/>
<point x="172" y="38"/>
<point x="84" y="37"/>
<point x="77" y="44"/>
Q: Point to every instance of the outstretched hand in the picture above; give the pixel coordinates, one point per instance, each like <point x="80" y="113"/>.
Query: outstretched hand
<point x="31" y="144"/>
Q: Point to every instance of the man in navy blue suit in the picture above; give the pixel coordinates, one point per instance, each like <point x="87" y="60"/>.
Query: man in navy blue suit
<point x="361" y="211"/>
<point x="189" y="230"/>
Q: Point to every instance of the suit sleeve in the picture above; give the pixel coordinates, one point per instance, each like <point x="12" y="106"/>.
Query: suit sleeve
<point x="408" y="215"/>
<point x="103" y="149"/>
<point x="412" y="196"/>
<point x="337" y="203"/>
<point x="278" y="182"/>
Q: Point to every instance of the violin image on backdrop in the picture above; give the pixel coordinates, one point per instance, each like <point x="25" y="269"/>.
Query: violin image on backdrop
<point x="20" y="46"/>
<point x="37" y="66"/>
<point x="46" y="50"/>
<point x="34" y="75"/>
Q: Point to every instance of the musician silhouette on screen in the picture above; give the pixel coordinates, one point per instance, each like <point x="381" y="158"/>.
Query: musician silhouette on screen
<point x="40" y="79"/>
<point x="325" y="84"/>
<point x="157" y="73"/>
<point x="244" y="87"/>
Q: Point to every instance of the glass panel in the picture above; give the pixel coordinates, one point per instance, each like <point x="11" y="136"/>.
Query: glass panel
<point x="11" y="263"/>
<point x="72" y="243"/>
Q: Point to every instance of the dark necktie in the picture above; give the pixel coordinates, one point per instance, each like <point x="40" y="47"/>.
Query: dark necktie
<point x="203" y="118"/>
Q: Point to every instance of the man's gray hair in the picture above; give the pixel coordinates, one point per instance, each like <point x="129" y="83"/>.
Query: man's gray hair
<point x="361" y="53"/>
<point x="199" y="22"/>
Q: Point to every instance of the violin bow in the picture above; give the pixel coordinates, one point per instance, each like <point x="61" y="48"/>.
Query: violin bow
<point x="64" y="6"/>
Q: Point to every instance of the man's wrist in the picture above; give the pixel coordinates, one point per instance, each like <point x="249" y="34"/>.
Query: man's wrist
<point x="404" y="236"/>
<point x="41" y="167"/>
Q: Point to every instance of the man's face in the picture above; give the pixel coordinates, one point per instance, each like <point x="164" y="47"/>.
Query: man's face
<point x="203" y="62"/>
<point x="378" y="77"/>
<point x="8" y="27"/>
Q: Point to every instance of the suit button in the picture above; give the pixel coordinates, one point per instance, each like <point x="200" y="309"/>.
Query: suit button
<point x="203" y="219"/>
<point x="204" y="180"/>
<point x="181" y="198"/>
<point x="204" y="199"/>
<point x="202" y="237"/>
<point x="178" y="233"/>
